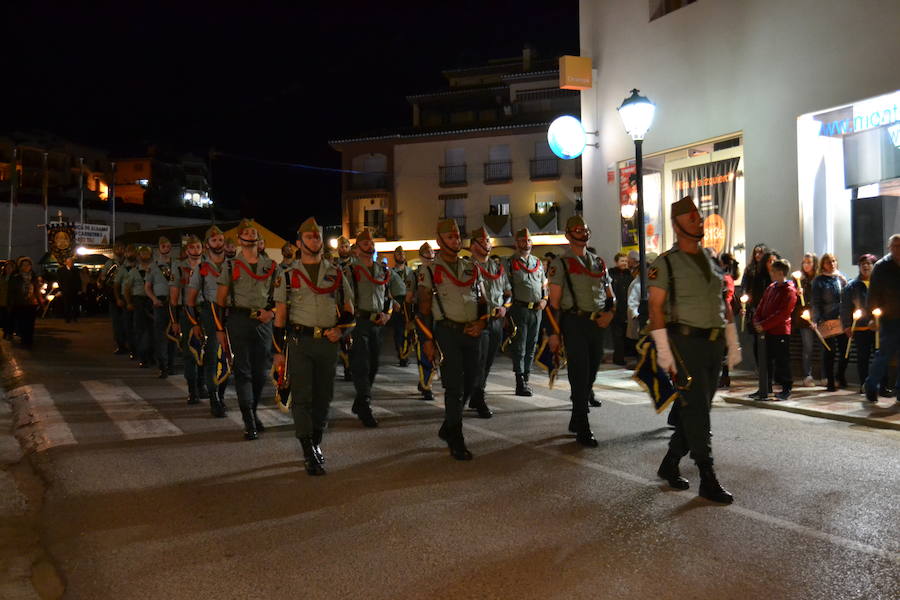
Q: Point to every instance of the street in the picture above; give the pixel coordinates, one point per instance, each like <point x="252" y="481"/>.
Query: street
<point x="147" y="497"/>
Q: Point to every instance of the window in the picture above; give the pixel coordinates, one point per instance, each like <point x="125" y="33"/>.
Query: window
<point x="499" y="205"/>
<point x="374" y="220"/>
<point x="455" y="208"/>
<point x="579" y="202"/>
<point x="544" y="202"/>
<point x="660" y="8"/>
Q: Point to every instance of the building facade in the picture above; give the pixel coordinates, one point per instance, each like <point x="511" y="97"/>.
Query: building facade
<point x="781" y="118"/>
<point x="476" y="152"/>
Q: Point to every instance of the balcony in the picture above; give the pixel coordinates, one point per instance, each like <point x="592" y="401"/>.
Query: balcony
<point x="379" y="230"/>
<point x="369" y="181"/>
<point x="499" y="171"/>
<point x="453" y="175"/>
<point x="544" y="168"/>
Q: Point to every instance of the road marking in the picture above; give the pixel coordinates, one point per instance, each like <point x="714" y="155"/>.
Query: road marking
<point x="134" y="417"/>
<point x="270" y="415"/>
<point x="746" y="512"/>
<point x="48" y="427"/>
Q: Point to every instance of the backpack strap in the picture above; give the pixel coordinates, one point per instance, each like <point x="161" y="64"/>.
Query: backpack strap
<point x="673" y="305"/>
<point x="569" y="283"/>
<point x="435" y="293"/>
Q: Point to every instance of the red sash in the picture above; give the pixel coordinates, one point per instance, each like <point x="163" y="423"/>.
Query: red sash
<point x="297" y="275"/>
<point x="576" y="267"/>
<point x="487" y="274"/>
<point x="185" y="275"/>
<point x="357" y="269"/>
<point x="439" y="271"/>
<point x="239" y="265"/>
<point x="206" y="268"/>
<point x="518" y="265"/>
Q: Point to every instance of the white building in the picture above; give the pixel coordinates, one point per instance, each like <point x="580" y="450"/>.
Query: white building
<point x="802" y="95"/>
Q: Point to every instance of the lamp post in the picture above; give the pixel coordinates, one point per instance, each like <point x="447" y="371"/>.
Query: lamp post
<point x="637" y="113"/>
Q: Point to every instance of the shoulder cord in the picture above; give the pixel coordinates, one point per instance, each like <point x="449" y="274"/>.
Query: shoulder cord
<point x="231" y="280"/>
<point x="270" y="298"/>
<point x="673" y="306"/>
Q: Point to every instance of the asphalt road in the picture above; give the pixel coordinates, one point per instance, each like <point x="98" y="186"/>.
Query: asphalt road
<point x="150" y="498"/>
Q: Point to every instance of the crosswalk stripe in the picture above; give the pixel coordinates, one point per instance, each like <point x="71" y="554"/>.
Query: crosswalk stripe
<point x="134" y="417"/>
<point x="48" y="427"/>
<point x="270" y="416"/>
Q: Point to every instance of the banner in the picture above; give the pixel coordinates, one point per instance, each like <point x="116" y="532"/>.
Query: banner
<point x="92" y="235"/>
<point x="627" y="189"/>
<point x="59" y="237"/>
<point x="713" y="188"/>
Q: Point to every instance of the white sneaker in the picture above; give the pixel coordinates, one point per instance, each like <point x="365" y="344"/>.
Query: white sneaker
<point x="809" y="382"/>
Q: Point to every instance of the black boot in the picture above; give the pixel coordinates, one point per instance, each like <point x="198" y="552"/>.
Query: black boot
<point x="579" y="425"/>
<point x="317" y="444"/>
<point x="163" y="374"/>
<point x="427" y="395"/>
<point x="522" y="388"/>
<point x="192" y="393"/>
<point x="310" y="458"/>
<point x="669" y="471"/>
<point x="477" y="402"/>
<point x="455" y="441"/>
<point x="201" y="387"/>
<point x="250" y="432"/>
<point x="216" y="408"/>
<point x="593" y="401"/>
<point x="362" y="408"/>
<point x="710" y="487"/>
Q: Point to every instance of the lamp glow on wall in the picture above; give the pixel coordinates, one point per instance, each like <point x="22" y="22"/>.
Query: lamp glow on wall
<point x="566" y="137"/>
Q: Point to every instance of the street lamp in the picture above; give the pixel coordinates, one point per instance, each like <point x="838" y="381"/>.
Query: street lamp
<point x="637" y="113"/>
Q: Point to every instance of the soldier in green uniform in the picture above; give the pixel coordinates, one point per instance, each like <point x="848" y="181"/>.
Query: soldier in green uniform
<point x="526" y="277"/>
<point x="374" y="305"/>
<point x="287" y="256"/>
<point x="313" y="311"/>
<point x="246" y="288"/>
<point x="230" y="247"/>
<point x="181" y="320"/>
<point x="690" y="320"/>
<point x="343" y="260"/>
<point x="582" y="304"/>
<point x="157" y="290"/>
<point x="401" y="274"/>
<point x="201" y="295"/>
<point x="106" y="279"/>
<point x="497" y="290"/>
<point x="452" y="314"/>
<point x="426" y="254"/>
<point x="118" y="289"/>
<point x="139" y="308"/>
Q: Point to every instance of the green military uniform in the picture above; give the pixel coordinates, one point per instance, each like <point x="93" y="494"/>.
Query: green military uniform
<point x="496" y="288"/>
<point x="251" y="290"/>
<point x="193" y="374"/>
<point x="205" y="279"/>
<point x="695" y="318"/>
<point x="412" y="290"/>
<point x="116" y="313"/>
<point x="400" y="276"/>
<point x="141" y="315"/>
<point x="126" y="317"/>
<point x="585" y="283"/>
<point x="526" y="277"/>
<point x="456" y="302"/>
<point x="371" y="296"/>
<point x="160" y="276"/>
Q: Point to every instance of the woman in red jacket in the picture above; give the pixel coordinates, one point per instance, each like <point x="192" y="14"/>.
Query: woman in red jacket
<point x="773" y="318"/>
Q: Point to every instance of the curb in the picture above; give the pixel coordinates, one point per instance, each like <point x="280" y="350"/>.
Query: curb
<point x="811" y="412"/>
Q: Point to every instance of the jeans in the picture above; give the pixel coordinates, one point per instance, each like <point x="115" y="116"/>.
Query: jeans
<point x="889" y="346"/>
<point x="836" y="345"/>
<point x="808" y="337"/>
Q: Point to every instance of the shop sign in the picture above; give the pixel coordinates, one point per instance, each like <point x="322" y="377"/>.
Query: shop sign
<point x="92" y="235"/>
<point x="575" y="73"/>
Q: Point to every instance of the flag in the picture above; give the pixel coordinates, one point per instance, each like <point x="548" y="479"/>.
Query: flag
<point x="14" y="178"/>
<point x="45" y="181"/>
<point x="509" y="332"/>
<point x="223" y="361"/>
<point x="652" y="377"/>
<point x="549" y="361"/>
<point x="427" y="369"/>
<point x="282" y="385"/>
<point x="409" y="335"/>
<point x="197" y="348"/>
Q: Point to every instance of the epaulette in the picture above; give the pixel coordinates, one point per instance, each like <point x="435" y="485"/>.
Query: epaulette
<point x="668" y="252"/>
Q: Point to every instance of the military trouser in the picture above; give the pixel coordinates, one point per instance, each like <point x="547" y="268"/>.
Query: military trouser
<point x="528" y="324"/>
<point x="398" y="326"/>
<point x="702" y="359"/>
<point x="141" y="329"/>
<point x="128" y="330"/>
<point x="458" y="370"/>
<point x="117" y="318"/>
<point x="488" y="345"/>
<point x="584" y="351"/>
<point x="208" y="324"/>
<point x="364" y="355"/>
<point x="250" y="339"/>
<point x="164" y="347"/>
<point x="312" y="363"/>
<point x="192" y="372"/>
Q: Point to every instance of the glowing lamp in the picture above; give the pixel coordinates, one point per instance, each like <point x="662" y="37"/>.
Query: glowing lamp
<point x="81" y="251"/>
<point x="637" y="114"/>
<point x="332" y="243"/>
<point x="857" y="314"/>
<point x="55" y="284"/>
<point x="566" y="137"/>
<point x="628" y="210"/>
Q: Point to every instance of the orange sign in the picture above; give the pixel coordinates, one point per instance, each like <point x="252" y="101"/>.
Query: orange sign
<point x="714" y="233"/>
<point x="575" y="73"/>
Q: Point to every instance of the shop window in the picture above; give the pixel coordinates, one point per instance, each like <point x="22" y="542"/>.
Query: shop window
<point x="660" y="8"/>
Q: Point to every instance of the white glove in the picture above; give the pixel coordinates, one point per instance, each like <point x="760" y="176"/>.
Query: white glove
<point x="664" y="356"/>
<point x="734" y="348"/>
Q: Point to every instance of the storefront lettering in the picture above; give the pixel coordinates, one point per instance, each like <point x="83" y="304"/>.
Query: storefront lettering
<point x="859" y="122"/>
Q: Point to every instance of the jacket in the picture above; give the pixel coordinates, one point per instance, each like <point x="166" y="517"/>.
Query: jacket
<point x="774" y="310"/>
<point x="621" y="280"/>
<point x="855" y="296"/>
<point x="884" y="288"/>
<point x="825" y="304"/>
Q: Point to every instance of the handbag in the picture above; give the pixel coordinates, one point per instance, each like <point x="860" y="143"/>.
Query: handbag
<point x="830" y="328"/>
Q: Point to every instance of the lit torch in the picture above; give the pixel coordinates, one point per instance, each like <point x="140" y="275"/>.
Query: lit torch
<point x="876" y="312"/>
<point x="857" y="315"/>
<point x="744" y="300"/>
<point x="806" y="317"/>
<point x="797" y="275"/>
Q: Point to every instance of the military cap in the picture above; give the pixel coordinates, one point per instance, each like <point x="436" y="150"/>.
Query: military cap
<point x="683" y="206"/>
<point x="163" y="240"/>
<point x="343" y="240"/>
<point x="288" y="246"/>
<point x="447" y="226"/>
<point x="142" y="249"/>
<point x="425" y="249"/>
<point x="22" y="259"/>
<point x="480" y="234"/>
<point x="230" y="240"/>
<point x="212" y="232"/>
<point x="190" y="239"/>
<point x="365" y="234"/>
<point x="247" y="224"/>
<point x="310" y="226"/>
<point x="573" y="222"/>
<point x="523" y="233"/>
<point x="398" y="249"/>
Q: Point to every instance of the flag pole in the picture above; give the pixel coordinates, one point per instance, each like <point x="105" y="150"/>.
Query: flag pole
<point x="13" y="179"/>
<point x="112" y="199"/>
<point x="81" y="190"/>
<point x="44" y="184"/>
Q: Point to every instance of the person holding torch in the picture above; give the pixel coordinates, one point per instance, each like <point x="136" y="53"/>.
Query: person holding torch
<point x="884" y="294"/>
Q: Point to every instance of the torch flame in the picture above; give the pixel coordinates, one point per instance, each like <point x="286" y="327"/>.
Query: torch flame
<point x="55" y="284"/>
<point x="745" y="298"/>
<point x="805" y="315"/>
<point x="876" y="312"/>
<point x="797" y="274"/>
<point x="50" y="298"/>
<point x="857" y="314"/>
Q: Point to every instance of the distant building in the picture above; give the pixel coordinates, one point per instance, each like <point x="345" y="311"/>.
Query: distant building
<point x="476" y="151"/>
<point x="163" y="181"/>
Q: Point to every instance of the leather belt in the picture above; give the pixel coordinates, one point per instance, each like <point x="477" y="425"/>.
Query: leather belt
<point x="162" y="298"/>
<point x="367" y="315"/>
<point x="452" y="324"/>
<point x="696" y="332"/>
<point x="528" y="305"/>
<point x="307" y="331"/>
<point x="583" y="313"/>
<point x="253" y="313"/>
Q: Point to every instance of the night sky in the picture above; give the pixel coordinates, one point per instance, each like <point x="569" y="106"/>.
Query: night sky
<point x="271" y="81"/>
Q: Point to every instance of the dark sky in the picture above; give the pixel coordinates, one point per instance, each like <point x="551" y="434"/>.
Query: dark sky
<point x="273" y="81"/>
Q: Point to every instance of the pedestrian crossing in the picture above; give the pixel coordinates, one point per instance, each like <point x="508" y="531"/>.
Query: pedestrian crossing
<point x="134" y="417"/>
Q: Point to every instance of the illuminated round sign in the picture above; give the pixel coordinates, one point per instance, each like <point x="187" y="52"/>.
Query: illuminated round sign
<point x="566" y="137"/>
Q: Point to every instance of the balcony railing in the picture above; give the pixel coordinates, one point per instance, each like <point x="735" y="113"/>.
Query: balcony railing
<point x="370" y="181"/>
<point x="453" y="175"/>
<point x="544" y="168"/>
<point x="499" y="171"/>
